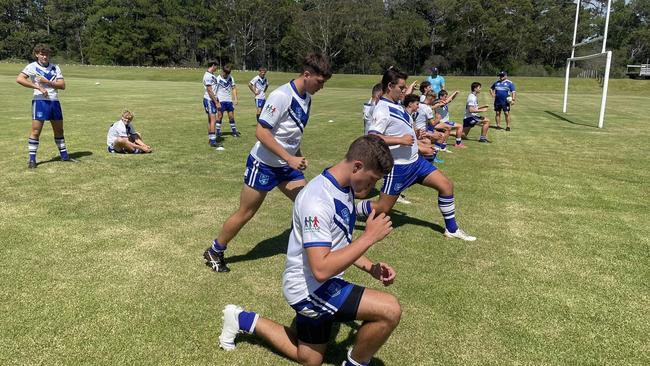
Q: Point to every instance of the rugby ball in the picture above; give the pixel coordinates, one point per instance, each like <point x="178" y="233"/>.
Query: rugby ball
<point x="509" y="100"/>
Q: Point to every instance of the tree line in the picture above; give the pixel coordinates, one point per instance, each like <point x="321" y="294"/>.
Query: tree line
<point x="526" y="37"/>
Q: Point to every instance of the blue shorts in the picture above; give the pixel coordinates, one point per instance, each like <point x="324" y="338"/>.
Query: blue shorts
<point x="226" y="107"/>
<point x="472" y="121"/>
<point x="432" y="128"/>
<point x="264" y="177"/>
<point x="501" y="106"/>
<point x="46" y="110"/>
<point x="209" y="106"/>
<point x="334" y="301"/>
<point x="260" y="102"/>
<point x="403" y="176"/>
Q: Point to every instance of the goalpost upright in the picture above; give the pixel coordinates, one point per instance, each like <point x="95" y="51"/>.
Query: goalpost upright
<point x="608" y="61"/>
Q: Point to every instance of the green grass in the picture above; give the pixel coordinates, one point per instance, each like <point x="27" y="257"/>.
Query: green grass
<point x="101" y="260"/>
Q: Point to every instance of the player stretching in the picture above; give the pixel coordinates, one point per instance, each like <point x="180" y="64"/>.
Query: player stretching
<point x="45" y="78"/>
<point x="211" y="103"/>
<point x="275" y="160"/>
<point x="442" y="118"/>
<point x="320" y="250"/>
<point x="369" y="106"/>
<point x="394" y="125"/>
<point x="258" y="86"/>
<point x="226" y="93"/>
<point x="472" y="117"/>
<point x="500" y="91"/>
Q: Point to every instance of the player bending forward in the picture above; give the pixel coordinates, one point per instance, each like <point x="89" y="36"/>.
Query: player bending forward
<point x="122" y="137"/>
<point x="320" y="250"/>
<point x="395" y="126"/>
<point x="275" y="160"/>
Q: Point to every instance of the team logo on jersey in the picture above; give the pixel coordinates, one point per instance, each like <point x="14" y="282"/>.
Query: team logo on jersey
<point x="345" y="214"/>
<point x="311" y="224"/>
<point x="398" y="186"/>
<point x="270" y="108"/>
<point x="264" y="179"/>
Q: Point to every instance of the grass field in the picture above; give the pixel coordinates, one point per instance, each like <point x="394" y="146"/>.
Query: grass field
<point x="101" y="260"/>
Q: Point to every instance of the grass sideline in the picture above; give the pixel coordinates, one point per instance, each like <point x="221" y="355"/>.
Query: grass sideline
<point x="101" y="260"/>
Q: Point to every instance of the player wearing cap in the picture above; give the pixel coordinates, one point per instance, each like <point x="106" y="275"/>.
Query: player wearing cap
<point x="436" y="80"/>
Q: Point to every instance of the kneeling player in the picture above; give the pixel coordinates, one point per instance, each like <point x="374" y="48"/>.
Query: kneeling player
<point x="393" y="124"/>
<point x="122" y="137"/>
<point x="320" y="249"/>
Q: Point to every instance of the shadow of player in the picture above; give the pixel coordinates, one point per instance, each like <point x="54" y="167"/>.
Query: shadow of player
<point x="75" y="156"/>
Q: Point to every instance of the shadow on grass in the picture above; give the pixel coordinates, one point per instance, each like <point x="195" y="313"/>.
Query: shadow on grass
<point x="565" y="119"/>
<point x="266" y="248"/>
<point x="75" y="155"/>
<point x="335" y="353"/>
<point x="400" y="218"/>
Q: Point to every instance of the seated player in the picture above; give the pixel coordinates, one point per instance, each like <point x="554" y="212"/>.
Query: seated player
<point x="320" y="249"/>
<point x="472" y="116"/>
<point x="393" y="125"/>
<point x="258" y="86"/>
<point x="442" y="120"/>
<point x="122" y="138"/>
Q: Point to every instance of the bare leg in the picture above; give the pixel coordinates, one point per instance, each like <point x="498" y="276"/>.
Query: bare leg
<point x="292" y="188"/>
<point x="497" y="117"/>
<point x="284" y="340"/>
<point x="212" y="119"/>
<point x="37" y="127"/>
<point x="250" y="201"/>
<point x="440" y="183"/>
<point x="507" y="119"/>
<point x="485" y="126"/>
<point x="381" y="313"/>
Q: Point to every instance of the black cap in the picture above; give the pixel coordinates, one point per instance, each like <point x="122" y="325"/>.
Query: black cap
<point x="502" y="73"/>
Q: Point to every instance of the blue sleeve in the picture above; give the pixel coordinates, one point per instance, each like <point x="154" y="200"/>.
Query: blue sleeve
<point x="512" y="86"/>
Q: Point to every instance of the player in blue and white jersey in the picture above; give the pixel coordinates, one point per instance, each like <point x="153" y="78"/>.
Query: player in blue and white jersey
<point x="275" y="160"/>
<point x="442" y="118"/>
<point x="320" y="249"/>
<point x="211" y="103"/>
<point x="227" y="95"/>
<point x="436" y="80"/>
<point x="425" y="87"/>
<point x="369" y="106"/>
<point x="46" y="79"/>
<point x="258" y="86"/>
<point x="123" y="138"/>
<point x="472" y="116"/>
<point x="392" y="123"/>
<point x="500" y="91"/>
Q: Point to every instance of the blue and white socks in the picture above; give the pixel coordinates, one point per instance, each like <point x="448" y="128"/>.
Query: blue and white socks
<point x="218" y="127"/>
<point x="448" y="209"/>
<point x="212" y="138"/>
<point x="363" y="209"/>
<point x="233" y="127"/>
<point x="63" y="151"/>
<point x="217" y="247"/>
<point x="248" y="321"/>
<point x="33" y="147"/>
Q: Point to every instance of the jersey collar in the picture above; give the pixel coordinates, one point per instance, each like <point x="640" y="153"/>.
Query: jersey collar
<point x="293" y="86"/>
<point x="389" y="101"/>
<point x="336" y="184"/>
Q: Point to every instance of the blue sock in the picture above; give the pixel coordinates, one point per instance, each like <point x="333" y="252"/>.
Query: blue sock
<point x="482" y="138"/>
<point x="233" y="127"/>
<point x="33" y="147"/>
<point x="247" y="321"/>
<point x="60" y="143"/>
<point x="218" y="127"/>
<point x="448" y="209"/>
<point x="349" y="361"/>
<point x="212" y="137"/>
<point x="216" y="247"/>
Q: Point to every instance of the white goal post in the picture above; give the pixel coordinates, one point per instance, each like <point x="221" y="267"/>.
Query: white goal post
<point x="604" y="52"/>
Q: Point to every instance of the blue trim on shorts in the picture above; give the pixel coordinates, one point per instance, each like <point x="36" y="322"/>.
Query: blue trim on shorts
<point x="264" y="177"/>
<point x="46" y="110"/>
<point x="226" y="107"/>
<point x="403" y="176"/>
<point x="209" y="106"/>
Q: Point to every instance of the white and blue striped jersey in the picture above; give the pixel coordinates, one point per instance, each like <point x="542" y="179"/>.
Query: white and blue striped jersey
<point x="224" y="88"/>
<point x="444" y="113"/>
<point x="286" y="113"/>
<point x="423" y="115"/>
<point x="209" y="81"/>
<point x="260" y="84"/>
<point x="368" y="107"/>
<point x="119" y="129"/>
<point x="50" y="72"/>
<point x="323" y="216"/>
<point x="472" y="101"/>
<point x="390" y="119"/>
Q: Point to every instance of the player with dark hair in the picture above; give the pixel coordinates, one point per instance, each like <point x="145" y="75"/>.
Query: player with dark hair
<point x="258" y="86"/>
<point x="210" y="103"/>
<point x="320" y="249"/>
<point x="504" y="94"/>
<point x="275" y="160"/>
<point x="391" y="122"/>
<point x="226" y="90"/>
<point x="472" y="116"/>
<point x="46" y="79"/>
<point x="370" y="105"/>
